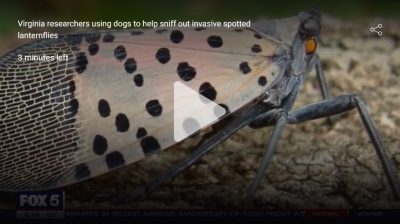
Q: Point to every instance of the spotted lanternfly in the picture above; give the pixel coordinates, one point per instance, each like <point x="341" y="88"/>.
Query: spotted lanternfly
<point x="111" y="103"/>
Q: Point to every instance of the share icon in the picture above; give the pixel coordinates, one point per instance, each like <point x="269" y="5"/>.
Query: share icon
<point x="374" y="29"/>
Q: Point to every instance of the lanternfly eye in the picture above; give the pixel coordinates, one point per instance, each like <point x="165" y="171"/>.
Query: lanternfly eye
<point x="311" y="45"/>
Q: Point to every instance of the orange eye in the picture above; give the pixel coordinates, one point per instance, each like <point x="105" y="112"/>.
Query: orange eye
<point x="311" y="45"/>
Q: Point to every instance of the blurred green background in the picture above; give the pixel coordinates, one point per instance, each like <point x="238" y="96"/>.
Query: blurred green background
<point x="93" y="10"/>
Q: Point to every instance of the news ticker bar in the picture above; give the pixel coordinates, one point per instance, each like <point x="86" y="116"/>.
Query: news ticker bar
<point x="204" y="213"/>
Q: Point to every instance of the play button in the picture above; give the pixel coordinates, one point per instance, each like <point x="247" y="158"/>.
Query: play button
<point x="192" y="111"/>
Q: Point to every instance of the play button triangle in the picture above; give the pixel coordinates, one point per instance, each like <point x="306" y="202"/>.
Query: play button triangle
<point x="192" y="111"/>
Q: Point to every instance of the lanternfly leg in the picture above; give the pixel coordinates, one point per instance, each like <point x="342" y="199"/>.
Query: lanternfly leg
<point x="327" y="108"/>
<point x="206" y="146"/>
<point x="266" y="119"/>
<point x="266" y="158"/>
<point x="321" y="79"/>
<point x="323" y="85"/>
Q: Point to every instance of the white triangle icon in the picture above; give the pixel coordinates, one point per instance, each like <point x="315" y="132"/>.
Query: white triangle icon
<point x="192" y="111"/>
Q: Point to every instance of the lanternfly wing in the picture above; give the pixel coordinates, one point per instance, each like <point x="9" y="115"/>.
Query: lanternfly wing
<point x="112" y="103"/>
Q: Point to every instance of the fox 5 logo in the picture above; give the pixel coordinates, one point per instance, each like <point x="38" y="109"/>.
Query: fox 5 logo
<point x="44" y="200"/>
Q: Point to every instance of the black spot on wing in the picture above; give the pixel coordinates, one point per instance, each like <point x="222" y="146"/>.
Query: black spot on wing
<point x="154" y="108"/>
<point x="163" y="55"/>
<point x="100" y="145"/>
<point x="93" y="49"/>
<point x="81" y="171"/>
<point x="185" y="71"/>
<point x="208" y="91"/>
<point x="92" y="37"/>
<point x="130" y="65"/>
<point x="176" y="36"/>
<point x="214" y="41"/>
<point x="257" y="36"/>
<point x="141" y="132"/>
<point x="256" y="48"/>
<point x="108" y="38"/>
<point x="150" y="145"/>
<point x="81" y="62"/>
<point x="114" y="159"/>
<point x="122" y="122"/>
<point x="262" y="81"/>
<point x="244" y="68"/>
<point x="104" y="108"/>
<point x="138" y="80"/>
<point x="120" y="53"/>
